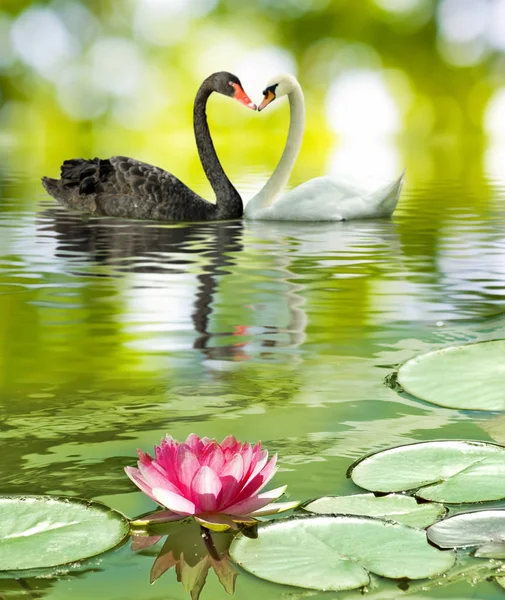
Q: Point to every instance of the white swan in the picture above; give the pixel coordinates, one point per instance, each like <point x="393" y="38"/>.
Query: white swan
<point x="319" y="199"/>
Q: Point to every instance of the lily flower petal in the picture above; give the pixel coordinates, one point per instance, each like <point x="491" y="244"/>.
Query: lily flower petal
<point x="216" y="521"/>
<point x="174" y="502"/>
<point x="275" y="508"/>
<point x="231" y="480"/>
<point x="186" y="467"/>
<point x="205" y="489"/>
<point x="136" y="476"/>
<point x="194" y="443"/>
<point x="212" y="456"/>
<point x="153" y="474"/>
<point x="250" y="505"/>
<point x="256" y="466"/>
<point x="157" y="517"/>
<point x="230" y="446"/>
<point x="258" y="482"/>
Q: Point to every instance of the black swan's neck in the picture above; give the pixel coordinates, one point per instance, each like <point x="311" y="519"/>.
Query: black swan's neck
<point x="228" y="201"/>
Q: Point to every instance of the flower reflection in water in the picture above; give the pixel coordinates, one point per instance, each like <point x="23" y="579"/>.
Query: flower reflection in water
<point x="192" y="550"/>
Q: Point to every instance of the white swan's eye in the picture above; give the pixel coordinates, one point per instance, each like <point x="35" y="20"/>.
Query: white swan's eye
<point x="271" y="88"/>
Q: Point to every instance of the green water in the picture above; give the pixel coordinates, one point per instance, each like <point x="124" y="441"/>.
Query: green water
<point x="113" y="333"/>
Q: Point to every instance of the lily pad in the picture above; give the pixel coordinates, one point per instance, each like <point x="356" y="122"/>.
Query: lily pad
<point x="470" y="377"/>
<point x="37" y="532"/>
<point x="337" y="553"/>
<point x="483" y="528"/>
<point x="451" y="471"/>
<point x="394" y="507"/>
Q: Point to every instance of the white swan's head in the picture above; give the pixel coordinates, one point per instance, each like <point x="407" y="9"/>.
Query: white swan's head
<point x="278" y="86"/>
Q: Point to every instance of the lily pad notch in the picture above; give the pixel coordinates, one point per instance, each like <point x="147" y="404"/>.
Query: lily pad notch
<point x="446" y="471"/>
<point x="467" y="377"/>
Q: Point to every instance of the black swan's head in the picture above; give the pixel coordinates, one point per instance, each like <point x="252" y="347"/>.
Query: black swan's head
<point x="229" y="85"/>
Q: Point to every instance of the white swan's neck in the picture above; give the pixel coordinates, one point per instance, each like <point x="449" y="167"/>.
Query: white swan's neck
<point x="266" y="196"/>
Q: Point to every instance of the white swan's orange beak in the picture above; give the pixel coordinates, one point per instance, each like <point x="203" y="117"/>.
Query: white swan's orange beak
<point x="267" y="99"/>
<point x="242" y="97"/>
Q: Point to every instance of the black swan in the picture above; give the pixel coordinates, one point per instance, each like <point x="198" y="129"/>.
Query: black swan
<point x="125" y="187"/>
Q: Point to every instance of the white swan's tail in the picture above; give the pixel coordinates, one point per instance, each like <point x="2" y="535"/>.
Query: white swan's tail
<point x="386" y="198"/>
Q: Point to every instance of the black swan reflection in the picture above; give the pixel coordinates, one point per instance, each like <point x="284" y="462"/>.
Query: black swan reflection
<point x="136" y="247"/>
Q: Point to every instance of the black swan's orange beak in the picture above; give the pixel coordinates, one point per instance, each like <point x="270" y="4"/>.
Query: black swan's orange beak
<point x="267" y="99"/>
<point x="242" y="97"/>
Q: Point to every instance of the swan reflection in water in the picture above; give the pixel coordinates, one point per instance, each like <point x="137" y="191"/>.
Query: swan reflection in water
<point x="269" y="289"/>
<point x="143" y="248"/>
<point x="156" y="253"/>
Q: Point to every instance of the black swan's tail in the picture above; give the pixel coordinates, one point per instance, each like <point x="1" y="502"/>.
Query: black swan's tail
<point x="79" y="177"/>
<point x="52" y="186"/>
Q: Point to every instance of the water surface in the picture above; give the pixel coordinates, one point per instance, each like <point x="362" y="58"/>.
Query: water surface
<point x="115" y="332"/>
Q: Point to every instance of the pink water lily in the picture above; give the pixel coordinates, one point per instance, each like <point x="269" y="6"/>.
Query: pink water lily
<point x="217" y="484"/>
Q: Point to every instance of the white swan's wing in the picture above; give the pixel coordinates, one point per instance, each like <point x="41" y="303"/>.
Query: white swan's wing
<point x="331" y="199"/>
<point x="379" y="203"/>
<point x="314" y="200"/>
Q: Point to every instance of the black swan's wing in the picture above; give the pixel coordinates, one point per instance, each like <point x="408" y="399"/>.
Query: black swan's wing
<point x="125" y="187"/>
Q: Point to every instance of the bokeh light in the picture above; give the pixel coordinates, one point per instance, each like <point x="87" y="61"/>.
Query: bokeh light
<point x="117" y="66"/>
<point x="76" y="97"/>
<point x="369" y="161"/>
<point x="42" y="41"/>
<point x="496" y="29"/>
<point x="463" y="20"/>
<point x="359" y="103"/>
<point x="154" y="20"/>
<point x="494" y="123"/>
<point x="494" y="118"/>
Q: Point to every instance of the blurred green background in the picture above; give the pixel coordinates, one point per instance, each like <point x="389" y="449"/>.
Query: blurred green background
<point x="119" y="76"/>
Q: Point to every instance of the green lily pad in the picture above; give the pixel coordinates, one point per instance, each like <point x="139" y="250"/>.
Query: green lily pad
<point x="492" y="550"/>
<point x="482" y="528"/>
<point x="337" y="553"/>
<point x="450" y="471"/>
<point x="37" y="532"/>
<point x="470" y="377"/>
<point x="394" y="507"/>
